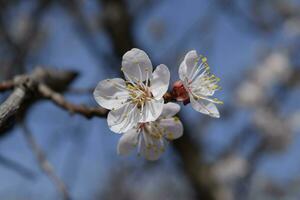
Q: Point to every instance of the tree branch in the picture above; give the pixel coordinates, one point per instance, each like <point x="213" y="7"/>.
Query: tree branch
<point x="44" y="164"/>
<point x="25" y="92"/>
<point x="59" y="100"/>
<point x="6" y="85"/>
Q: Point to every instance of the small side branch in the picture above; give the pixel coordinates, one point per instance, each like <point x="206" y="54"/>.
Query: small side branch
<point x="59" y="100"/>
<point x="44" y="164"/>
<point x="6" y="85"/>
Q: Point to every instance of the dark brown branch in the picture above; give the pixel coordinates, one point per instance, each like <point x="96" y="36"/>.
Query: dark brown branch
<point x="44" y="164"/>
<point x="59" y="100"/>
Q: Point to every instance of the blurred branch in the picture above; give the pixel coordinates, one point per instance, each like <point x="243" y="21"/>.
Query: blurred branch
<point x="6" y="85"/>
<point x="118" y="25"/>
<point x="21" y="49"/>
<point x="16" y="167"/>
<point x="40" y="84"/>
<point x="252" y="21"/>
<point x="25" y="92"/>
<point x="196" y="170"/>
<point x="85" y="31"/>
<point x="259" y="18"/>
<point x="44" y="164"/>
<point x="59" y="100"/>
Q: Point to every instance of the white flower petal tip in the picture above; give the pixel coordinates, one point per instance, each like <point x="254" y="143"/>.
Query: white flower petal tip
<point x="136" y="65"/>
<point x="160" y="81"/>
<point x="110" y="93"/>
<point x="197" y="84"/>
<point x="139" y="98"/>
<point x="151" y="138"/>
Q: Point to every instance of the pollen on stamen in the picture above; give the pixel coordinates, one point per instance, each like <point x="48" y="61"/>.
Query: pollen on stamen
<point x="218" y="101"/>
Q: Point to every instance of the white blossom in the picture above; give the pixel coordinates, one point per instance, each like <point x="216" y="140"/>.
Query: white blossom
<point x="137" y="99"/>
<point x="150" y="138"/>
<point x="197" y="85"/>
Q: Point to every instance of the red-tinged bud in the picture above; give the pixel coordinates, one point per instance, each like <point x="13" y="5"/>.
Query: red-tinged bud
<point x="180" y="93"/>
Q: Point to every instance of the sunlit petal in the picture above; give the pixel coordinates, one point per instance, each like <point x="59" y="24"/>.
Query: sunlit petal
<point x="205" y="107"/>
<point x="152" y="110"/>
<point x="160" y="81"/>
<point x="123" y="119"/>
<point x="136" y="65"/>
<point x="111" y="93"/>
<point x="128" y="142"/>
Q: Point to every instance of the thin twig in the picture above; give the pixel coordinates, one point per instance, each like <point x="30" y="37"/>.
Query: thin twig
<point x="25" y="92"/>
<point x="44" y="164"/>
<point x="59" y="100"/>
<point x="6" y="85"/>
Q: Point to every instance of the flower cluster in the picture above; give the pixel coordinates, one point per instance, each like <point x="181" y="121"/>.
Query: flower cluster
<point x="137" y="105"/>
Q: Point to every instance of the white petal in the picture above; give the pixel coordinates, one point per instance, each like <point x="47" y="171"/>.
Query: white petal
<point x="169" y="110"/>
<point x="172" y="128"/>
<point x="202" y="88"/>
<point x="128" y="142"/>
<point x="160" y="81"/>
<point x="205" y="107"/>
<point x="123" y="119"/>
<point x="110" y="94"/>
<point x="152" y="110"/>
<point x="153" y="151"/>
<point x="186" y="67"/>
<point x="136" y="65"/>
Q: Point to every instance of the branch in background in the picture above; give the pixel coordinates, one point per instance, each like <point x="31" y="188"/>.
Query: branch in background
<point x="43" y="83"/>
<point x="59" y="100"/>
<point x="44" y="164"/>
<point x="6" y="85"/>
<point x="25" y="93"/>
<point x="85" y="31"/>
<point x="195" y="168"/>
<point x="21" y="49"/>
<point x="118" y="25"/>
<point x="16" y="167"/>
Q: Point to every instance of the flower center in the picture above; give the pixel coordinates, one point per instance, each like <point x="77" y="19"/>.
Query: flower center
<point x="139" y="94"/>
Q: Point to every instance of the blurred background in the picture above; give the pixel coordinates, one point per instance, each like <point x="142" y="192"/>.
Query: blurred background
<point x="251" y="152"/>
